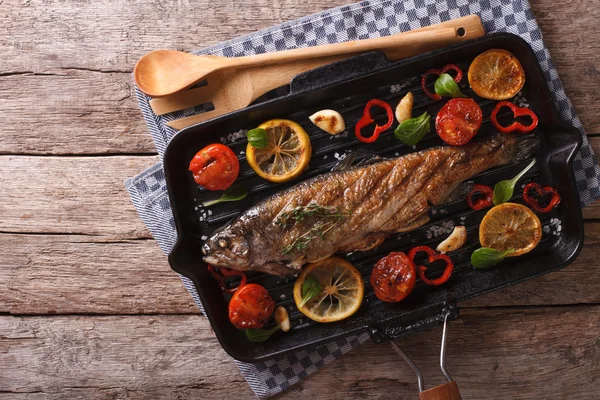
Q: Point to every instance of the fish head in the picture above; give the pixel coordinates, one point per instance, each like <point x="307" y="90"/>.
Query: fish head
<point x="227" y="248"/>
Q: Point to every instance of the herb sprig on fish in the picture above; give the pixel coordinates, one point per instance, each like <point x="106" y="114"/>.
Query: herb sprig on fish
<point x="329" y="217"/>
<point x="310" y="210"/>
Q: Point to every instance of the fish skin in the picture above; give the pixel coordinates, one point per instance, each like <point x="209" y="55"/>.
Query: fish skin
<point x="377" y="200"/>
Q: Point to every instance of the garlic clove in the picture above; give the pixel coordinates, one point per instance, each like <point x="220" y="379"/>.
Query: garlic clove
<point x="282" y="319"/>
<point x="404" y="108"/>
<point x="455" y="241"/>
<point x="330" y="121"/>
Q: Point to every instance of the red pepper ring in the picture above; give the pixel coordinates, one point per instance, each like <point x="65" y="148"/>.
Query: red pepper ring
<point x="517" y="112"/>
<point x="367" y="119"/>
<point x="225" y="272"/>
<point x="438" y="72"/>
<point x="432" y="256"/>
<point x="486" y="201"/>
<point x="554" y="201"/>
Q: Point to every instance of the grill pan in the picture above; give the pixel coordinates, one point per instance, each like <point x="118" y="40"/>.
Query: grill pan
<point x="346" y="86"/>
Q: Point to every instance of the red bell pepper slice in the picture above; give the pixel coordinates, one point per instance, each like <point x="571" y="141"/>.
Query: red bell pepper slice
<point x="533" y="203"/>
<point x="517" y="112"/>
<point x="432" y="255"/>
<point x="367" y="119"/>
<point x="438" y="72"/>
<point x="484" y="202"/>
<point x="225" y="272"/>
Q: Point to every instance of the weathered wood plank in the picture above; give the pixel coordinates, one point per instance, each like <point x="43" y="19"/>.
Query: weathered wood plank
<point x="520" y="353"/>
<point x="70" y="195"/>
<point x="106" y="357"/>
<point x="71" y="111"/>
<point x="87" y="92"/>
<point x="83" y="78"/>
<point x="576" y="54"/>
<point x="113" y="35"/>
<point x="65" y="274"/>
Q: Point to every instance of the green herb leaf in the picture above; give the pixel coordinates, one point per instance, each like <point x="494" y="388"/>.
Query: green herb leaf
<point x="412" y="130"/>
<point x="310" y="288"/>
<point x="446" y="86"/>
<point x="260" y="335"/>
<point x="233" y="193"/>
<point x="258" y="138"/>
<point x="503" y="190"/>
<point x="486" y="257"/>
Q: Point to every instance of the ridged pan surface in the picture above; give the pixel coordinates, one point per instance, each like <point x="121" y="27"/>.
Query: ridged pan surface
<point x="346" y="87"/>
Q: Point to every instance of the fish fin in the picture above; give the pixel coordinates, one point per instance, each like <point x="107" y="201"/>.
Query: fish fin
<point x="455" y="193"/>
<point x="297" y="263"/>
<point x="369" y="160"/>
<point x="414" y="225"/>
<point x="365" y="243"/>
<point x="345" y="162"/>
<point x="276" y="268"/>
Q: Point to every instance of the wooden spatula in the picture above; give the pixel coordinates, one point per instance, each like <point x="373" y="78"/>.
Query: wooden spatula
<point x="232" y="89"/>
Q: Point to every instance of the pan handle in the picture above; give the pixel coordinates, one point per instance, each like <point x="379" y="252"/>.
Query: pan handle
<point x="430" y="317"/>
<point x="339" y="71"/>
<point x="447" y="391"/>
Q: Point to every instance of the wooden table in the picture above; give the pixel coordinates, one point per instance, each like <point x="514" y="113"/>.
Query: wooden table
<point x="89" y="307"/>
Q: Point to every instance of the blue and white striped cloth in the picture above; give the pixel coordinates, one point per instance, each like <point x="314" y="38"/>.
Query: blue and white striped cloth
<point x="362" y="20"/>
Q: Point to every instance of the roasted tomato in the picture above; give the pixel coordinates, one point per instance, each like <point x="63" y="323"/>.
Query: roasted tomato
<point x="393" y="277"/>
<point x="215" y="167"/>
<point x="250" y="307"/>
<point x="458" y="121"/>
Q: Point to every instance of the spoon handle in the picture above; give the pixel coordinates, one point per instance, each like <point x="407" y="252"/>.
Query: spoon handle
<point x="409" y="42"/>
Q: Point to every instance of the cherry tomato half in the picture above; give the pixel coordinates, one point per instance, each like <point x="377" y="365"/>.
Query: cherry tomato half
<point x="250" y="307"/>
<point x="458" y="121"/>
<point x="393" y="277"/>
<point x="215" y="167"/>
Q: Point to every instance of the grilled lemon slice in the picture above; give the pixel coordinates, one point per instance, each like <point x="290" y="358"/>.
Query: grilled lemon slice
<point x="286" y="155"/>
<point x="496" y="74"/>
<point x="342" y="290"/>
<point x="510" y="226"/>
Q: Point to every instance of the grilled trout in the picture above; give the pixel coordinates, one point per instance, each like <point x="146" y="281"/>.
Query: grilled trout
<point x="355" y="209"/>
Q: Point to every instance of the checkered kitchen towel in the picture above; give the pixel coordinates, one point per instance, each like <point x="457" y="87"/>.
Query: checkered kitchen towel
<point x="363" y="20"/>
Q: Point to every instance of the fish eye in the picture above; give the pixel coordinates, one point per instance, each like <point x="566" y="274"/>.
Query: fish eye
<point x="223" y="243"/>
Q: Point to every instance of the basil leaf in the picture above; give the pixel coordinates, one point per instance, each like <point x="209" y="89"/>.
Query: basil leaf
<point x="485" y="257"/>
<point x="310" y="288"/>
<point x="258" y="138"/>
<point x="233" y="193"/>
<point x="411" y="131"/>
<point x="503" y="190"/>
<point x="445" y="85"/>
<point x="260" y="335"/>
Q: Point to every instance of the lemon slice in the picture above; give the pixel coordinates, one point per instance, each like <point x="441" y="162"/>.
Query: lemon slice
<point x="342" y="290"/>
<point x="510" y="226"/>
<point x="286" y="155"/>
<point x="496" y="74"/>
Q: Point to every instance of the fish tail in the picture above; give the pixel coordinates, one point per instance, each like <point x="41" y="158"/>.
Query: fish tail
<point x="525" y="147"/>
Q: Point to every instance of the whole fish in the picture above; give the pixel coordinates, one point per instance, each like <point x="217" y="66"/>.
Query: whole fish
<point x="355" y="209"/>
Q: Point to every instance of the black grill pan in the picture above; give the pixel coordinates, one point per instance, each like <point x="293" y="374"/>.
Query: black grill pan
<point x="346" y="86"/>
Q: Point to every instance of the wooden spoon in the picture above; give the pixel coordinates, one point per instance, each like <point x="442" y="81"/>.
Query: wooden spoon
<point x="164" y="72"/>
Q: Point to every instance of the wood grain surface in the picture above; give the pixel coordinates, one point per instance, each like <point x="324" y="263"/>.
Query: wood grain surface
<point x="89" y="307"/>
<point x="521" y="353"/>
